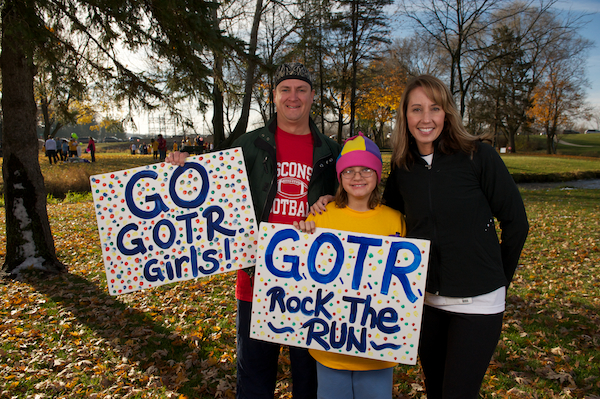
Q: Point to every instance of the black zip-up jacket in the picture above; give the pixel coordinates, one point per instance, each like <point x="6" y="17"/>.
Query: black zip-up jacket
<point x="453" y="203"/>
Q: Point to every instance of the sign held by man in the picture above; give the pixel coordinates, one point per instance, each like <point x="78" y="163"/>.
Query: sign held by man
<point x="162" y="223"/>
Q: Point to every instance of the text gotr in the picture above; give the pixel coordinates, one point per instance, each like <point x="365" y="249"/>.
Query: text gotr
<point x="355" y="294"/>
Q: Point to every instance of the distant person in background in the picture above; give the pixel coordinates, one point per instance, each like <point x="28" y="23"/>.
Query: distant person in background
<point x="50" y="146"/>
<point x="92" y="149"/>
<point x="174" y="146"/>
<point x="154" y="148"/>
<point x="162" y="147"/>
<point x="64" y="153"/>
<point x="132" y="148"/>
<point x="72" y="147"/>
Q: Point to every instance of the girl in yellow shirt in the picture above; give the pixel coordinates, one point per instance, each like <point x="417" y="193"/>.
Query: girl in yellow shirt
<point x="357" y="207"/>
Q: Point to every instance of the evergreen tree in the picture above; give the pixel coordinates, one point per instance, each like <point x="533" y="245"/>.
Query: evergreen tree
<point x="176" y="33"/>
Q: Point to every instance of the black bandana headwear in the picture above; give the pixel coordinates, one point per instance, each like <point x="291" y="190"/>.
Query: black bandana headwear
<point x="292" y="70"/>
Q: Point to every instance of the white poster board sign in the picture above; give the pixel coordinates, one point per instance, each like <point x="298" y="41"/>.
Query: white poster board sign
<point x="161" y="223"/>
<point x="350" y="293"/>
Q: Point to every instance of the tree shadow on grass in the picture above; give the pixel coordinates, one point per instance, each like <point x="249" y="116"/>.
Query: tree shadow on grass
<point x="181" y="364"/>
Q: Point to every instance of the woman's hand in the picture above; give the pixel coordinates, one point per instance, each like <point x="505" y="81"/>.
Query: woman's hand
<point x="305" y="227"/>
<point x="319" y="206"/>
<point x="177" y="158"/>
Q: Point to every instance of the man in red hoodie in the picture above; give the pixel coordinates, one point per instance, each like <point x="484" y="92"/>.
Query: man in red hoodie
<point x="162" y="147"/>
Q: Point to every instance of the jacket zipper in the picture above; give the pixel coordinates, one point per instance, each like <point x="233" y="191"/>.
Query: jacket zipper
<point x="262" y="215"/>
<point x="436" y="274"/>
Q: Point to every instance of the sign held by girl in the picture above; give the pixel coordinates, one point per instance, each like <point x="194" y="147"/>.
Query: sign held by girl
<point x="348" y="293"/>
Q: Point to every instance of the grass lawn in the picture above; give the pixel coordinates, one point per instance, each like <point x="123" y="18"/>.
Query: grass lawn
<point x="589" y="140"/>
<point x="65" y="337"/>
<point x="539" y="164"/>
<point x="568" y="144"/>
<point x="66" y="177"/>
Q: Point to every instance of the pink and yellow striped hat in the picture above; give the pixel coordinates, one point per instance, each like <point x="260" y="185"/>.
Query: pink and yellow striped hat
<point x="359" y="151"/>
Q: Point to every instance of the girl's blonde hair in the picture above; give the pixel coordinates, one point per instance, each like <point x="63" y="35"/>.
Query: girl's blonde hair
<point x="341" y="197"/>
<point x="453" y="138"/>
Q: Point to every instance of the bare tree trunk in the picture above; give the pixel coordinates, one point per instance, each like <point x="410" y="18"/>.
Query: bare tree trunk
<point x="217" y="119"/>
<point x="511" y="142"/>
<point x="242" y="125"/>
<point x="354" y="66"/>
<point x="550" y="137"/>
<point x="340" y="132"/>
<point x="29" y="241"/>
<point x="45" y="108"/>
<point x="321" y="78"/>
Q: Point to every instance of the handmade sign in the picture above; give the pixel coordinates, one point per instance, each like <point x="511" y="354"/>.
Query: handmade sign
<point x="161" y="223"/>
<point x="349" y="293"/>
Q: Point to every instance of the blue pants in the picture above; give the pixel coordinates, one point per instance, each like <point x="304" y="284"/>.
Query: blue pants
<point x="455" y="351"/>
<point x="257" y="364"/>
<point x="348" y="384"/>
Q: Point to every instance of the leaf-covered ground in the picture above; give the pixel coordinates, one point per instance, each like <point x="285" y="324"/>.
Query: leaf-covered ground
<point x="65" y="337"/>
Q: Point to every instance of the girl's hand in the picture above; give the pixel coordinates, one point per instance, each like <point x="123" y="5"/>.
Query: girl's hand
<point x="305" y="227"/>
<point x="319" y="206"/>
<point x="177" y="158"/>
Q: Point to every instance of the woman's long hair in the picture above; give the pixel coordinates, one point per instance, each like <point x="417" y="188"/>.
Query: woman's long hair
<point x="453" y="138"/>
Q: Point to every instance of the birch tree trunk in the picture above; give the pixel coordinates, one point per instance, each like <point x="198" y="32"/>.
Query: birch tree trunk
<point x="29" y="242"/>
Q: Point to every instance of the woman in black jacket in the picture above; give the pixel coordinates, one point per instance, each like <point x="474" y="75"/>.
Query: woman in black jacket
<point x="451" y="186"/>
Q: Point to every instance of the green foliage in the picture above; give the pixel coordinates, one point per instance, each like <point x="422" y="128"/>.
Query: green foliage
<point x="75" y="45"/>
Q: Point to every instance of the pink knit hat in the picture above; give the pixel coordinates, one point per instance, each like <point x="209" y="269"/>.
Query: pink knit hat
<point x="359" y="151"/>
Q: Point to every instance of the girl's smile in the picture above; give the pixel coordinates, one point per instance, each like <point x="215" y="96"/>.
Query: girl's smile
<point x="359" y="182"/>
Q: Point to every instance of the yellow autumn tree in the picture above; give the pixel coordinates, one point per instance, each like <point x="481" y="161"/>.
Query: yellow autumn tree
<point x="379" y="97"/>
<point x="554" y="101"/>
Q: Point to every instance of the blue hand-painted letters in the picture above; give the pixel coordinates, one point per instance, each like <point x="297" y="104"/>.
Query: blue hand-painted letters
<point x="321" y="328"/>
<point x="164" y="232"/>
<point x="390" y="270"/>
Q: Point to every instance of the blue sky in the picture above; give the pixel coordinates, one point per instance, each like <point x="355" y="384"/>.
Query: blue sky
<point x="592" y="32"/>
